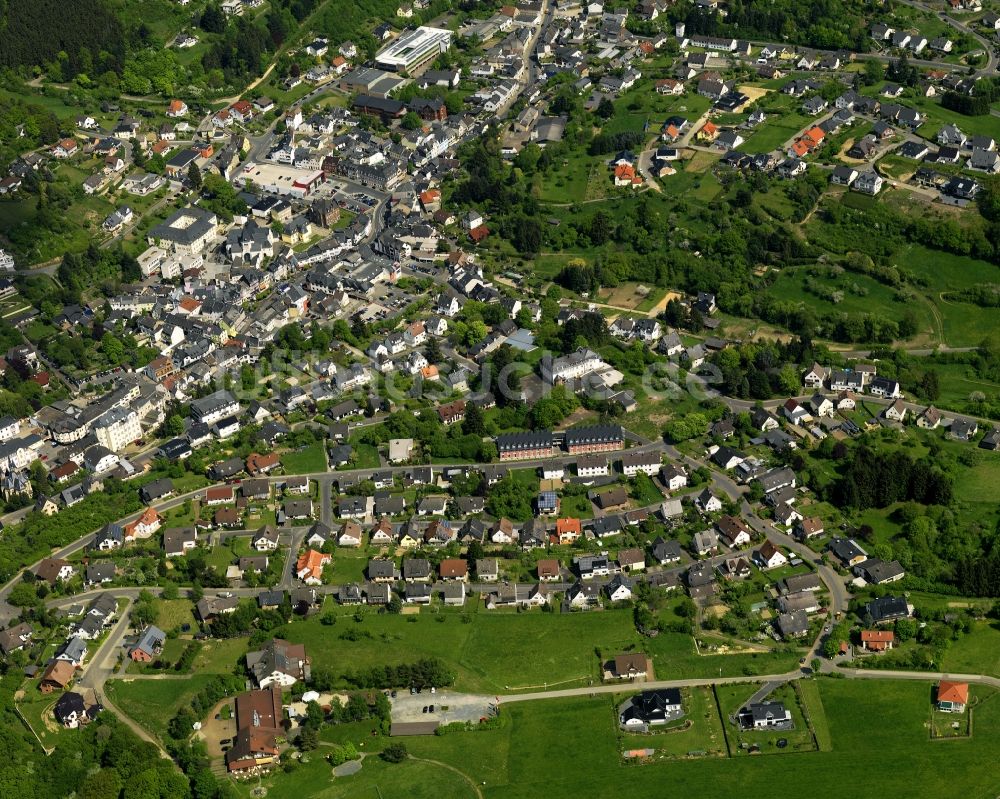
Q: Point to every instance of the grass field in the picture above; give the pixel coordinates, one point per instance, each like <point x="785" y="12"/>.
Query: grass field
<point x="578" y="506"/>
<point x="365" y="457"/>
<point x="220" y="657"/>
<point x="489" y="653"/>
<point x="860" y="294"/>
<point x="310" y="459"/>
<point x="964" y="324"/>
<point x="888" y="717"/>
<point x="174" y="613"/>
<point x="152" y="703"/>
<point x="500" y="651"/>
<point x="37" y="711"/>
<point x="975" y="653"/>
<point x="776" y="130"/>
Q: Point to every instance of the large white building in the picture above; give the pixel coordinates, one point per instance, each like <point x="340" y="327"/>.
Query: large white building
<point x="118" y="428"/>
<point x="188" y="230"/>
<point x="214" y="407"/>
<point x="573" y="366"/>
<point x="6" y="262"/>
<point x="414" y="50"/>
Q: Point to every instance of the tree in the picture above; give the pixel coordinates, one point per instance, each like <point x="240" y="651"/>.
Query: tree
<point x="103" y="784"/>
<point x="512" y="499"/>
<point x="606" y="108"/>
<point x="395" y="753"/>
<point x="212" y="19"/>
<point x="173" y="426"/>
<point x="357" y="707"/>
<point x="474" y="423"/>
<point x="874" y="72"/>
<point x="906" y="629"/>
<point x="411" y="121"/>
<point x="308" y="738"/>
<point x="194" y="176"/>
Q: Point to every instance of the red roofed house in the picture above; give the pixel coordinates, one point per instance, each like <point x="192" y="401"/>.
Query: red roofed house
<point x="548" y="569"/>
<point x="177" y="108"/>
<point x="241" y="110"/>
<point x="799" y="148"/>
<point x="816" y="135"/>
<point x="877" y="640"/>
<point x="261" y="464"/>
<point x="309" y="567"/>
<point x="625" y="176"/>
<point x="478" y="234"/>
<point x="143" y="527"/>
<point x="430" y="200"/>
<point x="708" y="132"/>
<point x="57" y="676"/>
<point x="952" y="697"/>
<point x="259" y="720"/>
<point x="65" y="148"/>
<point x="189" y="305"/>
<point x="568" y="530"/>
<point x="219" y="495"/>
<point x="454" y="569"/>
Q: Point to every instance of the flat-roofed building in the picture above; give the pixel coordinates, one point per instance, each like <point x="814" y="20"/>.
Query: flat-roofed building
<point x="414" y="50"/>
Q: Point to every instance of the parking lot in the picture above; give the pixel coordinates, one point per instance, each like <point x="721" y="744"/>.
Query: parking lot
<point x="448" y="707"/>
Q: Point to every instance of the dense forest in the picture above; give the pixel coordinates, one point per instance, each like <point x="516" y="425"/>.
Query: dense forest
<point x="829" y="24"/>
<point x="84" y="35"/>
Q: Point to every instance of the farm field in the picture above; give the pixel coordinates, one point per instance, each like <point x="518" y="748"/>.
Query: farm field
<point x="511" y="762"/>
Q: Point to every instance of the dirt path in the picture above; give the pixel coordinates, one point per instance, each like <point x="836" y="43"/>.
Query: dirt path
<point x="461" y="774"/>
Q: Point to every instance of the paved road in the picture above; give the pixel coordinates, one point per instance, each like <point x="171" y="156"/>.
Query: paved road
<point x="989" y="68"/>
<point x="102" y="664"/>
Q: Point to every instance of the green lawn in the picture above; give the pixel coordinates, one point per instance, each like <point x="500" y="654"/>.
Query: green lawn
<point x="940" y="273"/>
<point x="699" y="734"/>
<point x="36" y="708"/>
<point x="376" y="780"/>
<point x="674" y="655"/>
<point x="152" y="703"/>
<point x="975" y="653"/>
<point x="864" y="717"/>
<point x="776" y="130"/>
<point x="310" y="459"/>
<point x="173" y="613"/>
<point x="495" y="651"/>
<point x="578" y="507"/>
<point x="220" y="657"/>
<point x="365" y="457"/>
<point x="734" y="697"/>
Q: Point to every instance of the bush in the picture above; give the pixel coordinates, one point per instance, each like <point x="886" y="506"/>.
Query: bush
<point x="395" y="753"/>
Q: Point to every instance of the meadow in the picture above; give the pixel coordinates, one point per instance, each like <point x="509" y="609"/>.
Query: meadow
<point x="543" y="743"/>
<point x="152" y="703"/>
